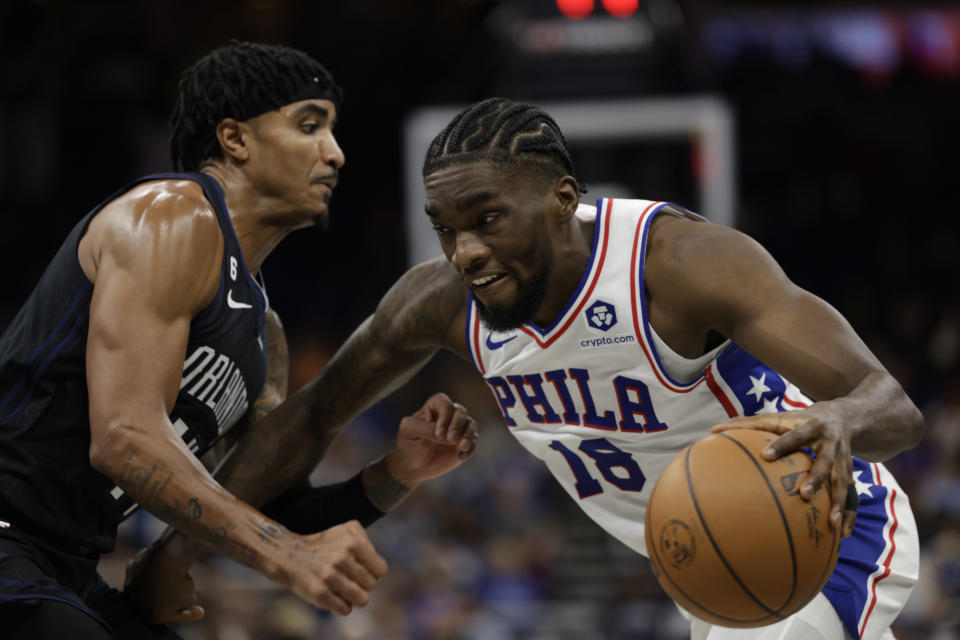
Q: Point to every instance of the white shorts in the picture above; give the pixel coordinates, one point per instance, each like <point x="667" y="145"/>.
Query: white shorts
<point x="816" y="621"/>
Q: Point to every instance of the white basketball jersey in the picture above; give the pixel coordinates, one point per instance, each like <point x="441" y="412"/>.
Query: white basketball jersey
<point x="592" y="397"/>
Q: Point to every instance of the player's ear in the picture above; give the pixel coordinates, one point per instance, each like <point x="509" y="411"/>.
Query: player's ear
<point x="566" y="192"/>
<point x="230" y="134"/>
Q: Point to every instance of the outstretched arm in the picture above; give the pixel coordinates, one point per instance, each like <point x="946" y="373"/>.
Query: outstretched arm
<point x="420" y="314"/>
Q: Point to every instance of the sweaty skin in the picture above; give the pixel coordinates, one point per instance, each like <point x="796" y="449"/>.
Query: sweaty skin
<point x="154" y="258"/>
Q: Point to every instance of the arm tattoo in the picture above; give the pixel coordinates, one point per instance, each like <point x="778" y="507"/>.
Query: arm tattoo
<point x="272" y="535"/>
<point x="196" y="509"/>
<point x="147" y="486"/>
<point x="419" y="310"/>
<point x="141" y="483"/>
<point x="408" y="328"/>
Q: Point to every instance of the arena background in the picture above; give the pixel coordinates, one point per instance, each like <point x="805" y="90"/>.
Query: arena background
<point x="844" y="128"/>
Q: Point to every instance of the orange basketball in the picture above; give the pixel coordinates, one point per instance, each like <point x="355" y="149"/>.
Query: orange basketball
<point x="729" y="537"/>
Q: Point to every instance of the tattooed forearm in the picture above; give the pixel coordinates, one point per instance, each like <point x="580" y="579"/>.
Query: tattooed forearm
<point x="140" y="483"/>
<point x="183" y="550"/>
<point x="153" y="489"/>
<point x="272" y="535"/>
<point x="179" y="514"/>
<point x="383" y="490"/>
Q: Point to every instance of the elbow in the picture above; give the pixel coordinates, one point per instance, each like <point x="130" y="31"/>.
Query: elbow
<point x="110" y="448"/>
<point x="915" y="427"/>
<point x="909" y="430"/>
<point x="905" y="420"/>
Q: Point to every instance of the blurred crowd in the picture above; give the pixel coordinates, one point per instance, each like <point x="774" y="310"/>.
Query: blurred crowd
<point x="846" y="170"/>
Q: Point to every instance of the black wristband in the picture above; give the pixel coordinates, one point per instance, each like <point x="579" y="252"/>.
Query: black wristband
<point x="305" y="509"/>
<point x="853" y="498"/>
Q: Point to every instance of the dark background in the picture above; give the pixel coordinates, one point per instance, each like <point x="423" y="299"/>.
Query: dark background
<point x="846" y="132"/>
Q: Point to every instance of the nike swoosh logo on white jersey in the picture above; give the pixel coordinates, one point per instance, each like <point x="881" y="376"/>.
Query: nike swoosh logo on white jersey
<point x="491" y="344"/>
<point x="233" y="304"/>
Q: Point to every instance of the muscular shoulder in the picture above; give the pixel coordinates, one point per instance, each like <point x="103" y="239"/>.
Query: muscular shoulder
<point x="164" y="231"/>
<point x="426" y="306"/>
<point x="700" y="253"/>
<point x="701" y="276"/>
<point x="158" y="213"/>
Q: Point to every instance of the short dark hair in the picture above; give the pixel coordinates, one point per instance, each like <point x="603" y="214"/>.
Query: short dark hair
<point x="501" y="131"/>
<point x="240" y="80"/>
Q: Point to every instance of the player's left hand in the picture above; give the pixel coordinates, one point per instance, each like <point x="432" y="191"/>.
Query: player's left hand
<point x="818" y="429"/>
<point x="162" y="590"/>
<point x="439" y="437"/>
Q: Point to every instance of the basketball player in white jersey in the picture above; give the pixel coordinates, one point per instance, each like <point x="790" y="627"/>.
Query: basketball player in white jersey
<point x="614" y="335"/>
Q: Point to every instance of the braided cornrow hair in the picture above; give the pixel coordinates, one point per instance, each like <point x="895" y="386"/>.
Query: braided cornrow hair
<point x="501" y="131"/>
<point x="240" y="80"/>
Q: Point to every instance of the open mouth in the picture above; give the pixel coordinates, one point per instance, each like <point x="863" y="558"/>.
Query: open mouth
<point x="486" y="281"/>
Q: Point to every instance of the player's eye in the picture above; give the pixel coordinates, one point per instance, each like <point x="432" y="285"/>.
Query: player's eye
<point x="487" y="218"/>
<point x="439" y="228"/>
<point x="309" y="127"/>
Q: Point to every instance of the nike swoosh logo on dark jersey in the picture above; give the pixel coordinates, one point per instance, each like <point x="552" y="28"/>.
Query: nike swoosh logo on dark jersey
<point x="233" y="304"/>
<point x="496" y="345"/>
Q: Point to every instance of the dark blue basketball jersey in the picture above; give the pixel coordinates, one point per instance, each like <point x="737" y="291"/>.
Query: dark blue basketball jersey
<point x="47" y="486"/>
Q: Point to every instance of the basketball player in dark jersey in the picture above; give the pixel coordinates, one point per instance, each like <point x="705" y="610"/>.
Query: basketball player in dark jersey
<point x="148" y="338"/>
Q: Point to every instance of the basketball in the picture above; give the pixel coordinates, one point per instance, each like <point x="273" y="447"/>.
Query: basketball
<point x="729" y="537"/>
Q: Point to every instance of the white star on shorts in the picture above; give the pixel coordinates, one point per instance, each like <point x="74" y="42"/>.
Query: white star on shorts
<point x="769" y="406"/>
<point x="759" y="386"/>
<point x="863" y="488"/>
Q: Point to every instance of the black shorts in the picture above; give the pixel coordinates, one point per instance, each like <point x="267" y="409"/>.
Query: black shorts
<point x="46" y="592"/>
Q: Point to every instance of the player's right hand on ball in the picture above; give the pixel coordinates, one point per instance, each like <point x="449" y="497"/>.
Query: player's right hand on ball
<point x="335" y="569"/>
<point x="820" y="428"/>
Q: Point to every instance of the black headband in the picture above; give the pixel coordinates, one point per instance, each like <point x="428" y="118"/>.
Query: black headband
<point x="310" y="89"/>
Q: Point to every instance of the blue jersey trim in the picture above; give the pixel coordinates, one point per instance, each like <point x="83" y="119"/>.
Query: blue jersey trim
<point x="213" y="191"/>
<point x="647" y="331"/>
<point x="209" y="313"/>
<point x="469" y="331"/>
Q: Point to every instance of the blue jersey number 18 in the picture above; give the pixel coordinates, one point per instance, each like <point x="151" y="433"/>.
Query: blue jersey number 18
<point x="606" y="457"/>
